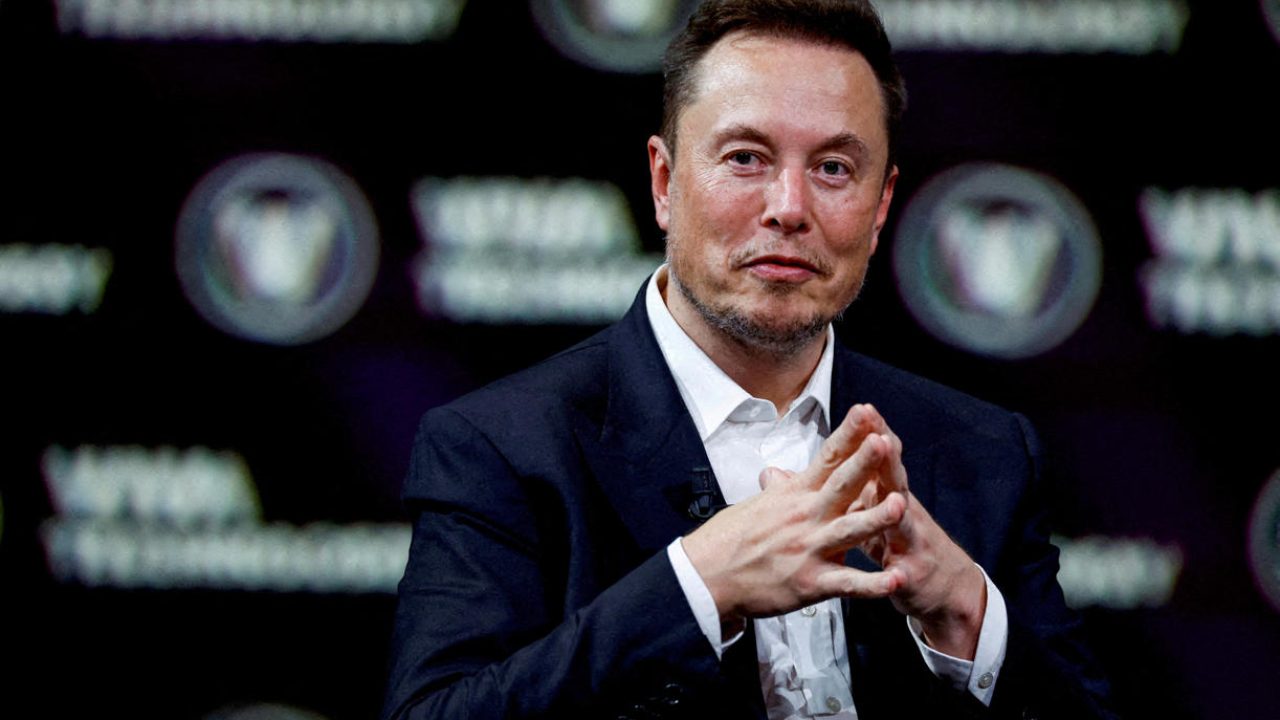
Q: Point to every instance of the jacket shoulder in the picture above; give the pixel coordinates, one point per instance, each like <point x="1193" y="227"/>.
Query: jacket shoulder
<point x="529" y="417"/>
<point x="924" y="407"/>
<point x="569" y="378"/>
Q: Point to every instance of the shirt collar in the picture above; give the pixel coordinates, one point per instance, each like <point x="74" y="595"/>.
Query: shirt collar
<point x="717" y="394"/>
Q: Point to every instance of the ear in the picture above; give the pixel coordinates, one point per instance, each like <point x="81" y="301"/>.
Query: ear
<point x="882" y="211"/>
<point x="660" y="180"/>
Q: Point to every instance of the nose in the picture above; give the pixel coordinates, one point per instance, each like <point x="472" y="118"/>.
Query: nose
<point x="786" y="201"/>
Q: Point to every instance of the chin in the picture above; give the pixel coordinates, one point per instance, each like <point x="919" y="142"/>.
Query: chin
<point x="773" y="332"/>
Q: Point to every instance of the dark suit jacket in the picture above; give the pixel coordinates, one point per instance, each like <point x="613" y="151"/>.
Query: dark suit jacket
<point x="538" y="581"/>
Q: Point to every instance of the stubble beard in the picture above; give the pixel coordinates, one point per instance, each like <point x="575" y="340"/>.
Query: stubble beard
<point x="781" y="341"/>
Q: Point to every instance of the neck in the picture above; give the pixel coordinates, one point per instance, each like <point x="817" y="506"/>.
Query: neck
<point x="763" y="372"/>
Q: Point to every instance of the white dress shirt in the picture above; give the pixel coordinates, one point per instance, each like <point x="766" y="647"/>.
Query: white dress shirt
<point x="803" y="658"/>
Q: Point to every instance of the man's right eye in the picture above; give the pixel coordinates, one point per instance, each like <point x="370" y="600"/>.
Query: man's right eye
<point x="742" y="157"/>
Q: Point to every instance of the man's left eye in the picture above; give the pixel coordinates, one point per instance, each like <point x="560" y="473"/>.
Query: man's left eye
<point x="834" y="167"/>
<point x="742" y="158"/>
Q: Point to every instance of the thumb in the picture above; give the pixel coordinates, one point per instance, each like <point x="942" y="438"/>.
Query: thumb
<point x="772" y="476"/>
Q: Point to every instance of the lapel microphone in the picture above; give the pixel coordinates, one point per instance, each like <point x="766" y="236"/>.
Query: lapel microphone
<point x="706" y="498"/>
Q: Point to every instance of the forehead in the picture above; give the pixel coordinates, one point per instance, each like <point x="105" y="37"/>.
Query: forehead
<point x="785" y="84"/>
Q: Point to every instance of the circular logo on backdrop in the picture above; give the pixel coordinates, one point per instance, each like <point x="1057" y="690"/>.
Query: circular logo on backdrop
<point x="1264" y="540"/>
<point x="1271" y="9"/>
<point x="997" y="260"/>
<point x="277" y="248"/>
<point x="617" y="35"/>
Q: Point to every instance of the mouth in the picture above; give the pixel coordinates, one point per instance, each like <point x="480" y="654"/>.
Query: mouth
<point x="782" y="268"/>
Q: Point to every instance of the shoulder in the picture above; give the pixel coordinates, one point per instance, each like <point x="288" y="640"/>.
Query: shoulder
<point x="573" y="378"/>
<point x="529" y="413"/>
<point x="521" y="426"/>
<point x="574" y="386"/>
<point x="927" y="411"/>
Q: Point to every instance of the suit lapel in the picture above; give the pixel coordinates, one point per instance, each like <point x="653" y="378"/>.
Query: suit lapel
<point x="643" y="451"/>
<point x="645" y="448"/>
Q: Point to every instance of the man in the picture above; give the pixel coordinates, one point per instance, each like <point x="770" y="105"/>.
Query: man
<point x="558" y="564"/>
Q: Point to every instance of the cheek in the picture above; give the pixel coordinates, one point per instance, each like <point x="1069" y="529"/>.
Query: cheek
<point x="849" y="224"/>
<point x="714" y="221"/>
<point x="728" y="222"/>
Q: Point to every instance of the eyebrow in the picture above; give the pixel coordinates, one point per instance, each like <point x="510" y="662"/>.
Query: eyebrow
<point x="739" y="132"/>
<point x="847" y="142"/>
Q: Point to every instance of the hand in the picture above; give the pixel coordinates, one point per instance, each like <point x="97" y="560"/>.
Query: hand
<point x="784" y="548"/>
<point x="940" y="585"/>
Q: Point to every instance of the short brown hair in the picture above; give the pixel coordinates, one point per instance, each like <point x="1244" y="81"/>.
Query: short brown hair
<point x="853" y="24"/>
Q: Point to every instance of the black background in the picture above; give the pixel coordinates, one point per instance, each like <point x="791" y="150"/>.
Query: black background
<point x="1152" y="434"/>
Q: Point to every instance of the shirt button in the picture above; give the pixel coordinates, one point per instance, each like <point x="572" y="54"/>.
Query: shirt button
<point x="755" y="411"/>
<point x="833" y="705"/>
<point x="985" y="680"/>
<point x="810" y="612"/>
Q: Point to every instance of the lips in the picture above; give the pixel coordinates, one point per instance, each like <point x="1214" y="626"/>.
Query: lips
<point x="782" y="268"/>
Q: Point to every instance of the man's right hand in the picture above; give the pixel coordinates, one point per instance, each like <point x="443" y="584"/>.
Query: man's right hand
<point x="784" y="548"/>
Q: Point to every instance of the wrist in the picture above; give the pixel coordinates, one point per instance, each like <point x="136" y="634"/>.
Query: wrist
<point x="701" y="548"/>
<point x="954" y="628"/>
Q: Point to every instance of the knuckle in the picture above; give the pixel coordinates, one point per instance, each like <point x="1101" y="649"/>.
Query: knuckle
<point x="805" y="586"/>
<point x="807" y="510"/>
<point x="830" y="454"/>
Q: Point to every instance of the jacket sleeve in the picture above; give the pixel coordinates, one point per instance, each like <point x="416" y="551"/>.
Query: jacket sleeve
<point x="483" y="629"/>
<point x="1048" y="670"/>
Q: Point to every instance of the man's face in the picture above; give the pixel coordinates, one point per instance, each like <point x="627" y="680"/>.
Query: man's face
<point x="777" y="192"/>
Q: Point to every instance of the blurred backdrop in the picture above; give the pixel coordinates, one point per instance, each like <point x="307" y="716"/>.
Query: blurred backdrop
<point x="244" y="244"/>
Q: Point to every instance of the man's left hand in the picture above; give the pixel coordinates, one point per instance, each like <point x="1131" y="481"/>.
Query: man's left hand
<point x="941" y="586"/>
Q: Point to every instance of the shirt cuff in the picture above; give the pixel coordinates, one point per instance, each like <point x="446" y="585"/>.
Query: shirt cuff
<point x="979" y="675"/>
<point x="699" y="597"/>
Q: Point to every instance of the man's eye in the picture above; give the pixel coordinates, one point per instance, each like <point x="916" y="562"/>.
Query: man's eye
<point x="742" y="157"/>
<point x="835" y="167"/>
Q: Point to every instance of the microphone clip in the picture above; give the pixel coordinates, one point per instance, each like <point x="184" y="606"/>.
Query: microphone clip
<point x="706" y="499"/>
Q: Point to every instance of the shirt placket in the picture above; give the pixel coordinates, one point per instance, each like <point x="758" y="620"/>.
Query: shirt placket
<point x="809" y="632"/>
